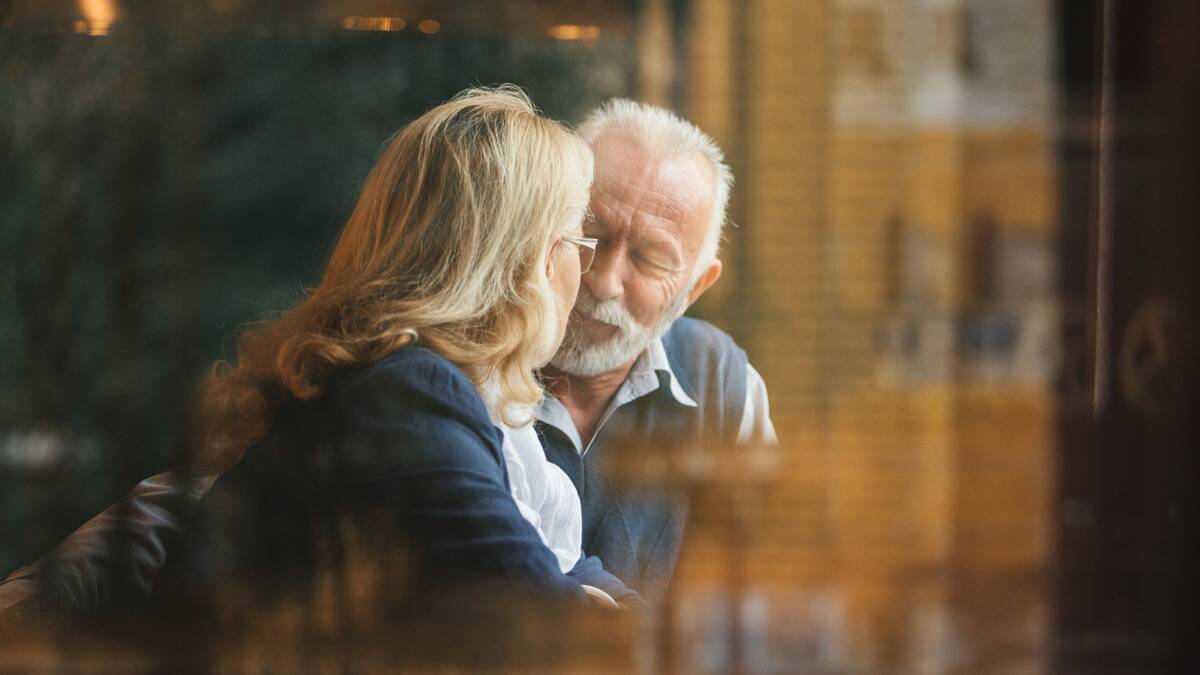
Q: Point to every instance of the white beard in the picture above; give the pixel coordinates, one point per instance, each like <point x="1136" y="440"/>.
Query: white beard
<point x="577" y="357"/>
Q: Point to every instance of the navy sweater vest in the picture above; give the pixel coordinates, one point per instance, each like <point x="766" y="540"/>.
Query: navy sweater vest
<point x="637" y="530"/>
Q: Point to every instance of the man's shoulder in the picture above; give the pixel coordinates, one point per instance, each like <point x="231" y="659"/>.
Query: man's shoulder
<point x="707" y="361"/>
<point x="690" y="333"/>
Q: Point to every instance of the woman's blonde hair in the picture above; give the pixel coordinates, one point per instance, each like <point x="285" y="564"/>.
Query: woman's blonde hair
<point x="447" y="245"/>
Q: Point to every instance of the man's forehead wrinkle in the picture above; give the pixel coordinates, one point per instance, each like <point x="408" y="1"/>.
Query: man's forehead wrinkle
<point x="646" y="197"/>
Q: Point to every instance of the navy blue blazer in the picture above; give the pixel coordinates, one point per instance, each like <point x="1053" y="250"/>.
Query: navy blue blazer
<point x="402" y="450"/>
<point x="405" y="450"/>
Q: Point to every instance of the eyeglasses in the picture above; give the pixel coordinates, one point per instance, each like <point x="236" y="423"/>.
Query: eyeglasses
<point x="586" y="247"/>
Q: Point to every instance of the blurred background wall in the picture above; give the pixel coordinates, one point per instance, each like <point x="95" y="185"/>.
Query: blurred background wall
<point x="960" y="258"/>
<point x="895" y="276"/>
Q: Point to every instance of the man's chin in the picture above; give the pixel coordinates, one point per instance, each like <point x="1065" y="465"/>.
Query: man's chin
<point x="588" y="359"/>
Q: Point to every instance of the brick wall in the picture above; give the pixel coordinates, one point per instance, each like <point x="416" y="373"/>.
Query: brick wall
<point x="891" y="275"/>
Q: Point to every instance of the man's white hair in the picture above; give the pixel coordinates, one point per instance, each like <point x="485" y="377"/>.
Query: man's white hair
<point x="661" y="130"/>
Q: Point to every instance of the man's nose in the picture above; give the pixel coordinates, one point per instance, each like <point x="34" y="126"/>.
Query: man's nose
<point x="604" y="278"/>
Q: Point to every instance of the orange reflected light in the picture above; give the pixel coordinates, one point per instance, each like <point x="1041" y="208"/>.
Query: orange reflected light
<point x="90" y="27"/>
<point x="387" y="24"/>
<point x="429" y="26"/>
<point x="98" y="17"/>
<point x="98" y="11"/>
<point x="570" y="31"/>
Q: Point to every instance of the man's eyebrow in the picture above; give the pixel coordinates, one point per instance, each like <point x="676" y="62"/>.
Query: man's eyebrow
<point x="660" y="242"/>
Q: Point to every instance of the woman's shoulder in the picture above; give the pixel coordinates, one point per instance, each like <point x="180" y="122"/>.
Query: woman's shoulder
<point x="419" y="372"/>
<point x="415" y="392"/>
<point x="412" y="363"/>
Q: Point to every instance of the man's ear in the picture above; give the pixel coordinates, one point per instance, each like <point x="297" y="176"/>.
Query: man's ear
<point x="707" y="279"/>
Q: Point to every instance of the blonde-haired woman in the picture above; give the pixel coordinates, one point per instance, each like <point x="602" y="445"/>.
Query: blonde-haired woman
<point x="359" y="415"/>
<point x="369" y="407"/>
<point x="453" y="276"/>
<point x="453" y="244"/>
<point x="389" y="408"/>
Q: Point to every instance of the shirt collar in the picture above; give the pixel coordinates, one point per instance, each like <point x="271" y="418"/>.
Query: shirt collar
<point x="656" y="354"/>
<point x="643" y="379"/>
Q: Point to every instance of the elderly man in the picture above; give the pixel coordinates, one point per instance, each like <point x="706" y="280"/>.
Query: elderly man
<point x="631" y="371"/>
<point x="630" y="368"/>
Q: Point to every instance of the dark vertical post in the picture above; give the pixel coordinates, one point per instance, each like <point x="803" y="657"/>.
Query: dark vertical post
<point x="1127" y="503"/>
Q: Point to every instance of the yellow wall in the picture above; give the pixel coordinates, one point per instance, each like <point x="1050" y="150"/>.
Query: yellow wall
<point x="917" y="499"/>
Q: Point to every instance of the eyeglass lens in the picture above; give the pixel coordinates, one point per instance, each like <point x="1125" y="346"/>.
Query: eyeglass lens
<point x="586" y="256"/>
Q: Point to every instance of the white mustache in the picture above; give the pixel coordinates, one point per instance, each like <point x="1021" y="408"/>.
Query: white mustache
<point x="608" y="311"/>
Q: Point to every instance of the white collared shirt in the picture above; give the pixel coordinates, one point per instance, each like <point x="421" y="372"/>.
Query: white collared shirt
<point x="544" y="494"/>
<point x="756" y="426"/>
